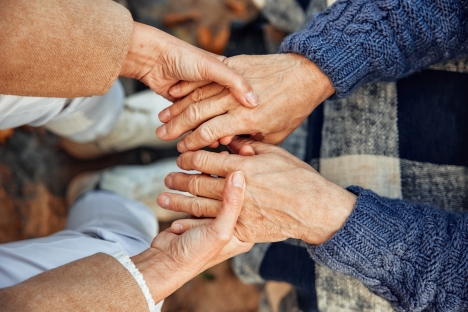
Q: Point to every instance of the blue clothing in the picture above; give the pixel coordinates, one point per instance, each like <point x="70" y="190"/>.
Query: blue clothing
<point x="407" y="251"/>
<point x="360" y="41"/>
<point x="411" y="254"/>
<point x="425" y="133"/>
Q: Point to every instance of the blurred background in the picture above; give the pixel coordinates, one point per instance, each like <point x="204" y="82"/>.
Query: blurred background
<point x="35" y="171"/>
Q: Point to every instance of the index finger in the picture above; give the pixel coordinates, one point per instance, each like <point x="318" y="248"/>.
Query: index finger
<point x="209" y="162"/>
<point x="212" y="130"/>
<point x="195" y="115"/>
<point x="214" y="70"/>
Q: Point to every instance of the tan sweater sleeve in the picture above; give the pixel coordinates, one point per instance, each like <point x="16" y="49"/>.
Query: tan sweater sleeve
<point x="95" y="283"/>
<point x="62" y="48"/>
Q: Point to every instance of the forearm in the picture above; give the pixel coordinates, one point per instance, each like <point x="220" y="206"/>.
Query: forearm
<point x="62" y="48"/>
<point x="95" y="283"/>
<point x="355" y="42"/>
<point x="412" y="255"/>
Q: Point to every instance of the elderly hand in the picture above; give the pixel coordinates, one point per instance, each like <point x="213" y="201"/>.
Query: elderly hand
<point x="289" y="88"/>
<point x="284" y="197"/>
<point x="161" y="61"/>
<point x="181" y="252"/>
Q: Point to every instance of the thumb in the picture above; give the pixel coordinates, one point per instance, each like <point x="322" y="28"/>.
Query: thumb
<point x="183" y="225"/>
<point x="238" y="143"/>
<point x="233" y="199"/>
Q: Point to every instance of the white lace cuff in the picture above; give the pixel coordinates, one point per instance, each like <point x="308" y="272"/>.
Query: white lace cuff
<point x="124" y="259"/>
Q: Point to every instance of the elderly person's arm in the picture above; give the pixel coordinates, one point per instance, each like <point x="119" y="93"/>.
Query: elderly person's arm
<point x="361" y="41"/>
<point x="103" y="283"/>
<point x="413" y="255"/>
<point x="67" y="48"/>
<point x="349" y="44"/>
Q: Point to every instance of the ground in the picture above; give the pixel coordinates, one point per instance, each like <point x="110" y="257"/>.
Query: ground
<point x="34" y="173"/>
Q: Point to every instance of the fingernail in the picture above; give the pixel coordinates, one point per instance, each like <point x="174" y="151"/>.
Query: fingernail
<point x="238" y="179"/>
<point x="252" y="98"/>
<point x="161" y="131"/>
<point x="165" y="115"/>
<point x="181" y="147"/>
<point x="169" y="181"/>
<point x="175" y="90"/>
<point x="177" y="227"/>
<point x="165" y="201"/>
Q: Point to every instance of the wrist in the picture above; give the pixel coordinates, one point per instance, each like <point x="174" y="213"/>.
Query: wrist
<point x="145" y="47"/>
<point x="158" y="272"/>
<point x="336" y="205"/>
<point x="312" y="75"/>
<point x="317" y="78"/>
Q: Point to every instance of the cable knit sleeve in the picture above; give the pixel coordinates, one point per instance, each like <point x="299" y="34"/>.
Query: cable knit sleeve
<point x="358" y="41"/>
<point x="413" y="255"/>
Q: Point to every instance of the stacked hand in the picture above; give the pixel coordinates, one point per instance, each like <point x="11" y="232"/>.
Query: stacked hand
<point x="284" y="197"/>
<point x="189" y="247"/>
<point x="161" y="61"/>
<point x="288" y="86"/>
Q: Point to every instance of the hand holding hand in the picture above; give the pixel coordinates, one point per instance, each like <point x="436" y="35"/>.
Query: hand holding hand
<point x="161" y="61"/>
<point x="289" y="88"/>
<point x="284" y="197"/>
<point x="189" y="247"/>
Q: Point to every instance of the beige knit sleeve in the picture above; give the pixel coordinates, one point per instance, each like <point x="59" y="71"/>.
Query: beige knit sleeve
<point x="62" y="48"/>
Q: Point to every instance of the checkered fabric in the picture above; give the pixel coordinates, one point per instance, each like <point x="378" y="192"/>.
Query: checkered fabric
<point x="406" y="139"/>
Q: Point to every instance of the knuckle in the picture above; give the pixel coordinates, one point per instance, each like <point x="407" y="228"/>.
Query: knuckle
<point x="203" y="66"/>
<point x="193" y="185"/>
<point x="197" y="95"/>
<point x="206" y="133"/>
<point x="197" y="207"/>
<point x="199" y="159"/>
<point x="193" y="114"/>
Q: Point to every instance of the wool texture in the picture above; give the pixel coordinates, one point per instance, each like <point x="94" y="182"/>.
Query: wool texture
<point x="361" y="41"/>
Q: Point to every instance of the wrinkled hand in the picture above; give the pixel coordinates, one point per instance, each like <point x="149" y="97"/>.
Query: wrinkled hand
<point x="288" y="86"/>
<point x="189" y="247"/>
<point x="284" y="197"/>
<point x="161" y="61"/>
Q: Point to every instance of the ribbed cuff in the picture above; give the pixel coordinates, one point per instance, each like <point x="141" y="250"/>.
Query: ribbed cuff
<point x="124" y="259"/>
<point x="410" y="254"/>
<point x="345" y="45"/>
<point x="371" y="242"/>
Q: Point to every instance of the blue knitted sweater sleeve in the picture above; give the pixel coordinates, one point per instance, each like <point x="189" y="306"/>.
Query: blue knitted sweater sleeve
<point x="413" y="255"/>
<point x="359" y="41"/>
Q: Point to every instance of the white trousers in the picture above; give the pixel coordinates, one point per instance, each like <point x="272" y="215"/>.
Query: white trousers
<point x="98" y="221"/>
<point x="79" y="119"/>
